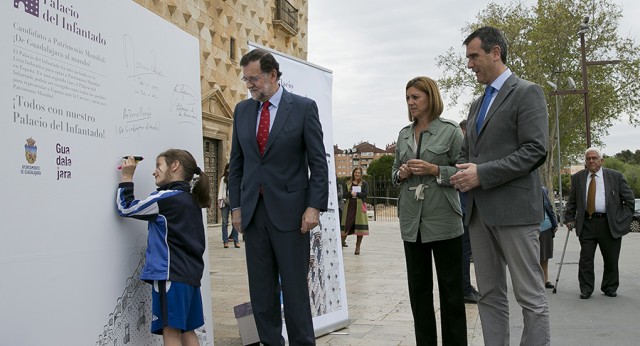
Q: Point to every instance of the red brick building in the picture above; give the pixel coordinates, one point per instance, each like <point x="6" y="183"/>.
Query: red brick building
<point x="360" y="155"/>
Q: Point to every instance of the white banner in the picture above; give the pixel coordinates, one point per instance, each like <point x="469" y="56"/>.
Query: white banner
<point x="326" y="278"/>
<point x="84" y="83"/>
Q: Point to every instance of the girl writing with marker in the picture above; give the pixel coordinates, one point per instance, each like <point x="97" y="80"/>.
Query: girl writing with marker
<point x="175" y="242"/>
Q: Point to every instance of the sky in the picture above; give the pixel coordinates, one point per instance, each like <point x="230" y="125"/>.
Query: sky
<point x="373" y="47"/>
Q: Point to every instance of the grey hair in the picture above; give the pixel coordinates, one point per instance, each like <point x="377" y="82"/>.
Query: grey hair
<point x="593" y="149"/>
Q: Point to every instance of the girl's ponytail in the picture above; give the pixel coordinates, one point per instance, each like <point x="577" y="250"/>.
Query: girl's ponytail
<point x="200" y="190"/>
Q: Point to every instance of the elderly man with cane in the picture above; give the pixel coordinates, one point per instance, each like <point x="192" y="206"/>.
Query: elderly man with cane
<point x="600" y="207"/>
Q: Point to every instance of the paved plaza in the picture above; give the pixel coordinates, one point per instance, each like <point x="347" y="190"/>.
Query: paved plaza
<point x="378" y="300"/>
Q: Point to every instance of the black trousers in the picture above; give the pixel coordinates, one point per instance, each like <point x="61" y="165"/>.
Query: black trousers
<point x="278" y="258"/>
<point x="467" y="288"/>
<point x="448" y="260"/>
<point x="595" y="232"/>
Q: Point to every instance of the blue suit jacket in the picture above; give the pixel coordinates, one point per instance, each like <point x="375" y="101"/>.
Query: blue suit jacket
<point x="292" y="172"/>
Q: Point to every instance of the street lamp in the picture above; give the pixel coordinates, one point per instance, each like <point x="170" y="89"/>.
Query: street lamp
<point x="584" y="28"/>
<point x="555" y="88"/>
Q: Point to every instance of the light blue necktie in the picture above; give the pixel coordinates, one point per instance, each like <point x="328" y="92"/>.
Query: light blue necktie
<point x="488" y="93"/>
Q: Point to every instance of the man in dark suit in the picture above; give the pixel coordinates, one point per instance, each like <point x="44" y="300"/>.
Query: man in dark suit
<point x="600" y="207"/>
<point x="506" y="140"/>
<point x="278" y="185"/>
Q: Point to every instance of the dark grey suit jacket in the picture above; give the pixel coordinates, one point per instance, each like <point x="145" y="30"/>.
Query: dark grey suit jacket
<point x="293" y="171"/>
<point x="618" y="198"/>
<point x="511" y="145"/>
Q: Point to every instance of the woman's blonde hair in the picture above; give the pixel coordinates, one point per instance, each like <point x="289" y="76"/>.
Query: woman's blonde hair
<point x="428" y="86"/>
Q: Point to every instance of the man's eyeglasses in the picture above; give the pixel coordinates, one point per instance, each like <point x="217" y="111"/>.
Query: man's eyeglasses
<point x="253" y="79"/>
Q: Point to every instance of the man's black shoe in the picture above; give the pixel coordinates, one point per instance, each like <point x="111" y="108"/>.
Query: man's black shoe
<point x="611" y="294"/>
<point x="472" y="297"/>
<point x="585" y="295"/>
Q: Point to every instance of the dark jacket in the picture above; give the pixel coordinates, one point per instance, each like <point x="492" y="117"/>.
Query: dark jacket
<point x="292" y="173"/>
<point x="176" y="239"/>
<point x="618" y="198"/>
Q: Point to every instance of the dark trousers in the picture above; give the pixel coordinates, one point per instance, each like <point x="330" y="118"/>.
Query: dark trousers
<point x="467" y="288"/>
<point x="595" y="232"/>
<point x="271" y="252"/>
<point x="448" y="260"/>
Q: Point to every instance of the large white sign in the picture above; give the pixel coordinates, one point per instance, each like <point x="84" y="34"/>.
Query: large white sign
<point x="326" y="276"/>
<point x="83" y="83"/>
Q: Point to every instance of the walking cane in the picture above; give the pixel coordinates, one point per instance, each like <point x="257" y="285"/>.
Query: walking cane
<point x="566" y="240"/>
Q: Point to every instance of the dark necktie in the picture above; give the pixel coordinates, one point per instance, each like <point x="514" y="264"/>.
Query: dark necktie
<point x="486" y="100"/>
<point x="263" y="128"/>
<point x="591" y="196"/>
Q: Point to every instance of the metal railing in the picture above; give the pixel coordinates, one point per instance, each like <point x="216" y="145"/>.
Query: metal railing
<point x="384" y="209"/>
<point x="383" y="197"/>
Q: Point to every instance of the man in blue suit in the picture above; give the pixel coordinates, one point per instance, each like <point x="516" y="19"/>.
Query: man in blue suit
<point x="278" y="185"/>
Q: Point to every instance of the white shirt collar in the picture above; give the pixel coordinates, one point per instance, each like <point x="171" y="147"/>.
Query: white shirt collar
<point x="499" y="82"/>
<point x="275" y="98"/>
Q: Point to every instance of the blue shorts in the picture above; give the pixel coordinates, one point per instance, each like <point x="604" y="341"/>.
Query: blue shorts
<point x="175" y="305"/>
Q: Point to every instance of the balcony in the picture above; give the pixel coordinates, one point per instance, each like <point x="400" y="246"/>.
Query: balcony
<point x="286" y="17"/>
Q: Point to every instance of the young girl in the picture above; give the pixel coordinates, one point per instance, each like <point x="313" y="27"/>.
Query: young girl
<point x="175" y="243"/>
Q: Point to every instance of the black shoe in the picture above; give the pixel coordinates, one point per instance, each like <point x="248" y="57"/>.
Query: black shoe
<point x="611" y="294"/>
<point x="472" y="297"/>
<point x="585" y="295"/>
<point x="549" y="285"/>
<point x="345" y="245"/>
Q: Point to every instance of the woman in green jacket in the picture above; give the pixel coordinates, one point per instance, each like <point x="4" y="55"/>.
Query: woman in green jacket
<point x="430" y="214"/>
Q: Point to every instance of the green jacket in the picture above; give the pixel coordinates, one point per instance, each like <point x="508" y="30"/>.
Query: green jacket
<point x="438" y="216"/>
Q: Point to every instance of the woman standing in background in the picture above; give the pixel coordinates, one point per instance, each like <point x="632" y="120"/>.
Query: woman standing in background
<point x="354" y="219"/>
<point x="223" y="204"/>
<point x="548" y="230"/>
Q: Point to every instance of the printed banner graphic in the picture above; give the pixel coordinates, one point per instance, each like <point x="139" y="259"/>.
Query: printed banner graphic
<point x="84" y="83"/>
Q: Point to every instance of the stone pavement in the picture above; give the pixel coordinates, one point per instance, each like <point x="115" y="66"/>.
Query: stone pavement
<point x="379" y="306"/>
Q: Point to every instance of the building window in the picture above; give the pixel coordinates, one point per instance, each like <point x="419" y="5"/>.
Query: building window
<point x="232" y="48"/>
<point x="286" y="17"/>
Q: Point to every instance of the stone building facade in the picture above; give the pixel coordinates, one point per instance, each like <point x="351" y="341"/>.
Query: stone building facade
<point x="223" y="28"/>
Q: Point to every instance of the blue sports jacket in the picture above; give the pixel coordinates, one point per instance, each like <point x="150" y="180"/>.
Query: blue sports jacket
<point x="176" y="239"/>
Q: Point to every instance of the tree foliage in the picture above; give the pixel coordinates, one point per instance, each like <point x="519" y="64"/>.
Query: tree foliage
<point x="381" y="167"/>
<point x="630" y="171"/>
<point x="543" y="45"/>
<point x="627" y="156"/>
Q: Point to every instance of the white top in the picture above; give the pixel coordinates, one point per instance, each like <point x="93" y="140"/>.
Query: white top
<point x="222" y="189"/>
